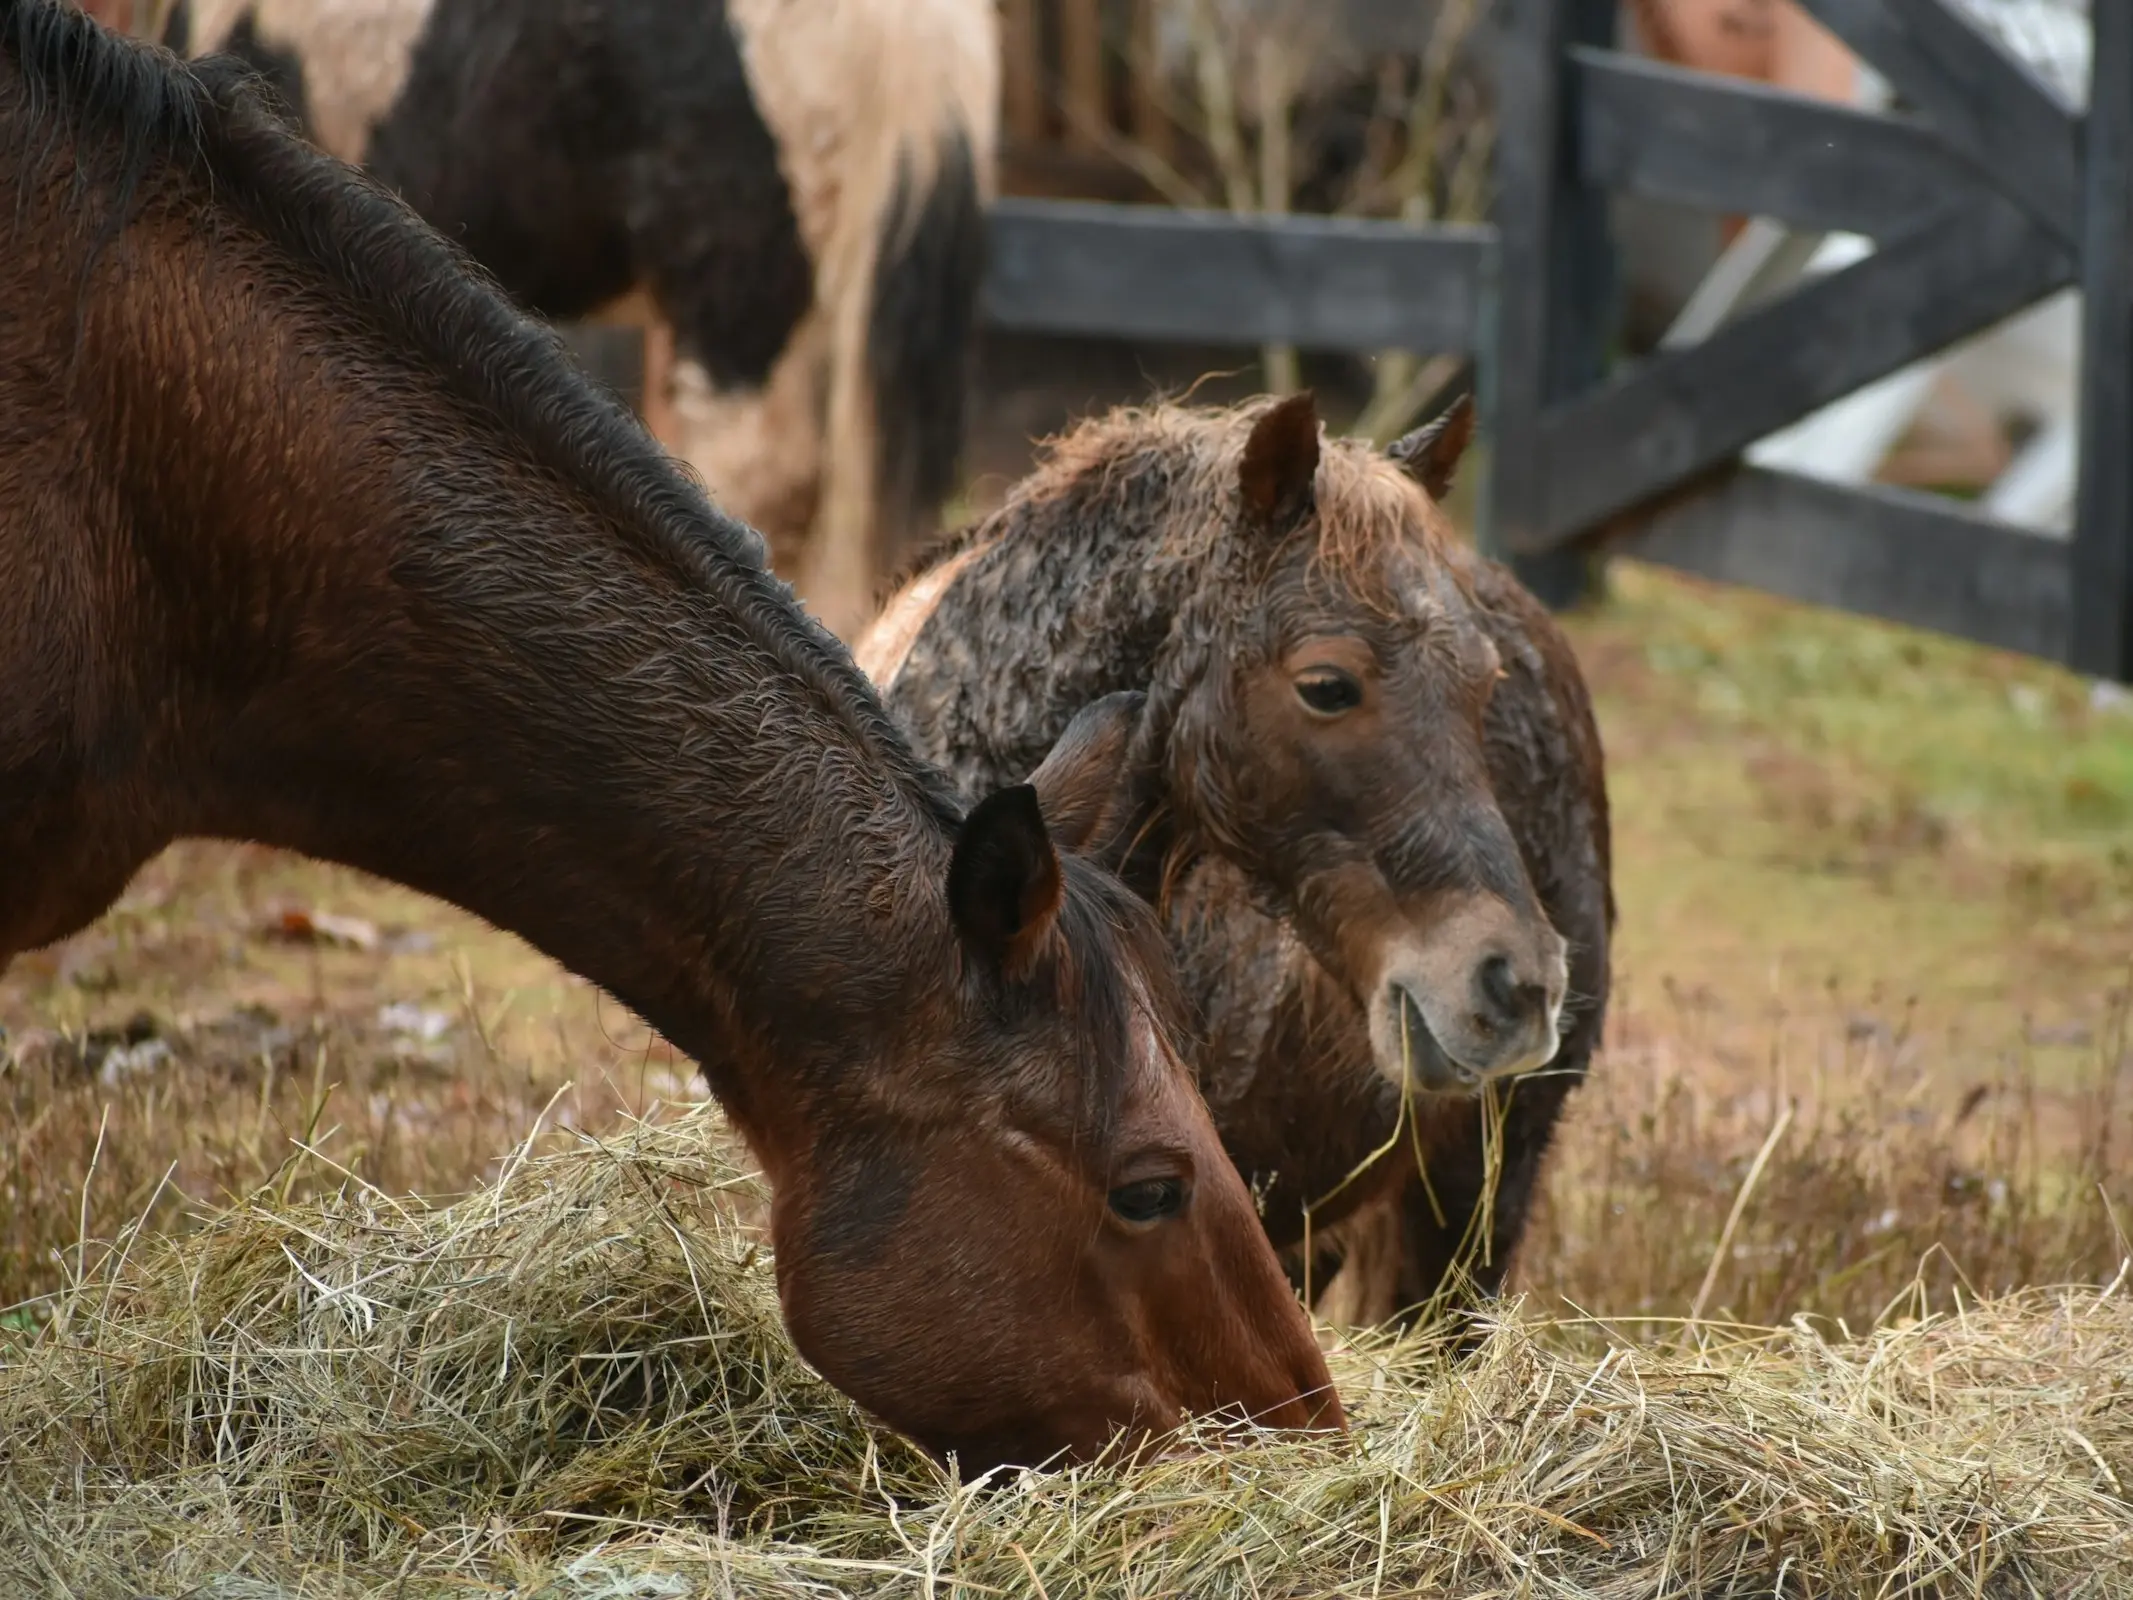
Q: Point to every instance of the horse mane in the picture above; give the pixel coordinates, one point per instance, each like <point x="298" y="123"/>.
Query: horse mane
<point x="208" y="121"/>
<point x="1367" y="507"/>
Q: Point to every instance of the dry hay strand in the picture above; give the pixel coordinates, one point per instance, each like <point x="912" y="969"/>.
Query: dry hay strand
<point x="574" y="1385"/>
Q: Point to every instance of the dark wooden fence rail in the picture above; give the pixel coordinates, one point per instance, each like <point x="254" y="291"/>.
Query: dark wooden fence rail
<point x="1324" y="283"/>
<point x="1985" y="196"/>
<point x="1152" y="273"/>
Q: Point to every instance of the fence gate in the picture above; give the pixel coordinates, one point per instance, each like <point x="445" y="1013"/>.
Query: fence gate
<point x="1985" y="194"/>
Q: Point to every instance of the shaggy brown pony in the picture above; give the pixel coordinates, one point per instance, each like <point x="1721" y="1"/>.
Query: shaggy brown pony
<point x="307" y="538"/>
<point x="1363" y="785"/>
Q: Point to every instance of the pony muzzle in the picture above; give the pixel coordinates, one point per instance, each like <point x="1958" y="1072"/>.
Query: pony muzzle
<point x="1497" y="1019"/>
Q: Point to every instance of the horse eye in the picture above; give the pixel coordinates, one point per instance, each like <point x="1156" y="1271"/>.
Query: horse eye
<point x="1329" y="691"/>
<point x="1150" y="1200"/>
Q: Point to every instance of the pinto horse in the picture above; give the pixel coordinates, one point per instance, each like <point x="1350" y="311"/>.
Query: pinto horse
<point x="307" y="537"/>
<point x="1362" y="782"/>
<point x="789" y="191"/>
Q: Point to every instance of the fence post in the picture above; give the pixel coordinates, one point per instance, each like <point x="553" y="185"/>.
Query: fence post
<point x="1556" y="280"/>
<point x="1022" y="94"/>
<point x="2102" y="555"/>
<point x="1081" y="73"/>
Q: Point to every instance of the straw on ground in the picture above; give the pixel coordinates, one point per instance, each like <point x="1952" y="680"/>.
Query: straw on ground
<point x="575" y="1384"/>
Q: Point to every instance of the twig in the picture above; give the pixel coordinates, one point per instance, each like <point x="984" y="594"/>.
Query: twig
<point x="81" y="1237"/>
<point x="1160" y="175"/>
<point x="1218" y="102"/>
<point x="1740" y="1206"/>
<point x="1391" y="410"/>
<point x="1275" y="91"/>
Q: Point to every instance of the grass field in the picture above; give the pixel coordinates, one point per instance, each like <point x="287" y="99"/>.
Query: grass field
<point x="1875" y="887"/>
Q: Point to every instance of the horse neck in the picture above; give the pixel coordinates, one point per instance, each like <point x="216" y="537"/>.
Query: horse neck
<point x="1068" y="596"/>
<point x="393" y="638"/>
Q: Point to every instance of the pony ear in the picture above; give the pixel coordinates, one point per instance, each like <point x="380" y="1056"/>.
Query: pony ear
<point x="1004" y="881"/>
<point x="1431" y="453"/>
<point x="1280" y="462"/>
<point x="1083" y="785"/>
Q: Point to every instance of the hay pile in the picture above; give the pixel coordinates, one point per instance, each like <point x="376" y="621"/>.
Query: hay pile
<point x="574" y="1385"/>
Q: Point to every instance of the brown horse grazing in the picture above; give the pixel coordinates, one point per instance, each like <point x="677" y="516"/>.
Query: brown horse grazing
<point x="306" y="537"/>
<point x="1363" y="784"/>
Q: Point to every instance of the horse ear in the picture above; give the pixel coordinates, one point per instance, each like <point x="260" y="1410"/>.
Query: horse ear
<point x="1004" y="882"/>
<point x="1280" y="461"/>
<point x="1431" y="453"/>
<point x="1083" y="783"/>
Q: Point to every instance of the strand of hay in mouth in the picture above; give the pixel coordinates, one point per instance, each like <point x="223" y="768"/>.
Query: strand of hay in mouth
<point x="574" y="1386"/>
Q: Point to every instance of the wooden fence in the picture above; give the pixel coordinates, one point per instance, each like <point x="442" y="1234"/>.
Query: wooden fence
<point x="1323" y="283"/>
<point x="1987" y="195"/>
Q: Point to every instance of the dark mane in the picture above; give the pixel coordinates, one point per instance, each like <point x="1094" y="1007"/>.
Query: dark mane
<point x="1098" y="912"/>
<point x="209" y="121"/>
<point x="1187" y="457"/>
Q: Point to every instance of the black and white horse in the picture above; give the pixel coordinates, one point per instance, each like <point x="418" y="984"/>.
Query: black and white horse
<point x="789" y="193"/>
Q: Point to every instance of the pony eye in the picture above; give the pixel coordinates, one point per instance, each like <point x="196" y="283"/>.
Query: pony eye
<point x="1329" y="691"/>
<point x="1150" y="1200"/>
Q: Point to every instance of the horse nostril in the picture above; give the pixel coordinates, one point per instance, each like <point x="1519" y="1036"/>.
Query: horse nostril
<point x="1498" y="987"/>
<point x="1507" y="997"/>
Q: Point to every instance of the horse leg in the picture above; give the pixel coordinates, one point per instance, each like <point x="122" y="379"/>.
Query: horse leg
<point x="657" y="405"/>
<point x="1364" y="1290"/>
<point x="655" y="400"/>
<point x="842" y="571"/>
<point x="759" y="452"/>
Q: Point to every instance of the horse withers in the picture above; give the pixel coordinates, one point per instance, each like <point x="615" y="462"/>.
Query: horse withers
<point x="787" y="193"/>
<point x="307" y="538"/>
<point x="1362" y="782"/>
